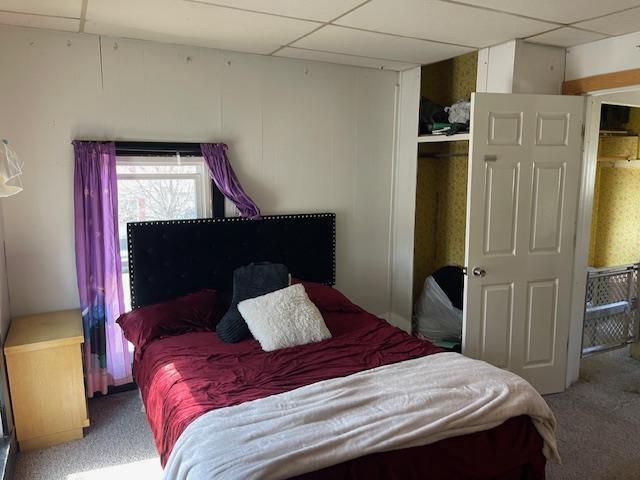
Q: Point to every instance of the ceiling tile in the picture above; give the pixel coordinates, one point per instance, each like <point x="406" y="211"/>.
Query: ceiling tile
<point x="562" y="11"/>
<point x="444" y="22"/>
<point x="344" y="59"/>
<point x="62" y="8"/>
<point x="357" y="42"/>
<point x="193" y="24"/>
<point x="616" y="24"/>
<point x="323" y="10"/>
<point x="39" y="21"/>
<point x="566" y="37"/>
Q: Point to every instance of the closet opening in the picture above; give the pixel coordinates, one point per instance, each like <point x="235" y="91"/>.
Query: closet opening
<point x="611" y="319"/>
<point x="441" y="200"/>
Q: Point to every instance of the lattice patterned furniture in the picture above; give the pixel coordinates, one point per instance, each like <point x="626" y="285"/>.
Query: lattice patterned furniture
<point x="612" y="317"/>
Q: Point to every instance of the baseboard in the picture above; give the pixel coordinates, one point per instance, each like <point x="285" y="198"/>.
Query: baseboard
<point x="398" y="321"/>
<point x="127" y="387"/>
<point x="117" y="389"/>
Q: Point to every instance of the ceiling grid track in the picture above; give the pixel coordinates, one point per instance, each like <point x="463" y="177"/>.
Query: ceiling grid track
<point x="320" y="29"/>
<point x="43" y="15"/>
<point x="83" y="15"/>
<point x="330" y="22"/>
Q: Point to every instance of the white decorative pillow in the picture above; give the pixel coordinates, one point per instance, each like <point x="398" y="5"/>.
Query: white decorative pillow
<point x="284" y="318"/>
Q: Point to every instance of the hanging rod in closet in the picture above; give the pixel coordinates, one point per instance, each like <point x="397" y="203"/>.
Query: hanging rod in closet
<point x="447" y="155"/>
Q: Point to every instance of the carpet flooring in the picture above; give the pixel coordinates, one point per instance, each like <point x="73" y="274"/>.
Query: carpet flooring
<point x="599" y="421"/>
<point x="117" y="445"/>
<point x="598" y="432"/>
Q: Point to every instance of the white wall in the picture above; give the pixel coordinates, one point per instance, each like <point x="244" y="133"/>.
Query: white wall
<point x="495" y="68"/>
<point x="538" y="68"/>
<point x="303" y="137"/>
<point x="404" y="199"/>
<point x="520" y="67"/>
<point x="603" y="56"/>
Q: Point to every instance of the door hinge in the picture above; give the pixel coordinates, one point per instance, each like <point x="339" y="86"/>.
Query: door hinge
<point x="583" y="130"/>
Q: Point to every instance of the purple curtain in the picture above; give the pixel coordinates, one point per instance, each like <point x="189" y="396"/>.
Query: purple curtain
<point x="215" y="156"/>
<point x="106" y="352"/>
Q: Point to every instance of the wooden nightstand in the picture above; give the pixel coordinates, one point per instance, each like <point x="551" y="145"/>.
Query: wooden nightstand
<point x="44" y="363"/>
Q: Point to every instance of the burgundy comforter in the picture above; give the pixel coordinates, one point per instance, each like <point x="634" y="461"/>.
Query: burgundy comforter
<point x="185" y="376"/>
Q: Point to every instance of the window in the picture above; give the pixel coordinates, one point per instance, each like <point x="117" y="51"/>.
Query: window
<point x="158" y="188"/>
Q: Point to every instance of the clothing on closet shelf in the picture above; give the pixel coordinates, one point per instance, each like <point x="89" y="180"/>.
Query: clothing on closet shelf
<point x="438" y="120"/>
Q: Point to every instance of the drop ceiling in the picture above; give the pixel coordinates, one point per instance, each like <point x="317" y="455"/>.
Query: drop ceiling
<point x="391" y="34"/>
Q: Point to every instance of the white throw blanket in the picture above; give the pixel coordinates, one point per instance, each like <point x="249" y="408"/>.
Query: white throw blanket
<point x="396" y="406"/>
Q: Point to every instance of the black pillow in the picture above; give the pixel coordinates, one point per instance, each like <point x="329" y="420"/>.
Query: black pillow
<point x="249" y="281"/>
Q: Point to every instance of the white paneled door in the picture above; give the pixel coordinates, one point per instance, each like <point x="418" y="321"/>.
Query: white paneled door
<point x="525" y="158"/>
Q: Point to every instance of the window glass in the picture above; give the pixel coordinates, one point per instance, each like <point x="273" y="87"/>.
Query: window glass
<point x="155" y="168"/>
<point x="158" y="188"/>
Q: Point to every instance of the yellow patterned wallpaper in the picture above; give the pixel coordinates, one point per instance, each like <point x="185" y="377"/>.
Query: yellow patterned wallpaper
<point x="424" y="258"/>
<point x="615" y="230"/>
<point x="452" y="208"/>
<point x="441" y="210"/>
<point x="618" y="147"/>
<point x="441" y="193"/>
<point x="451" y="80"/>
<point x="615" y="221"/>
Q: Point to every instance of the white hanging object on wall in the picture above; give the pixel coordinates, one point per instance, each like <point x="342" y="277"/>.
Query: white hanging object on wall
<point x="10" y="171"/>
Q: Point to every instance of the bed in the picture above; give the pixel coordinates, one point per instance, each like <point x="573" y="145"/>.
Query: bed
<point x="185" y="378"/>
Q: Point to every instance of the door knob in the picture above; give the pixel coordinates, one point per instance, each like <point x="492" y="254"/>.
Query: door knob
<point x="478" y="272"/>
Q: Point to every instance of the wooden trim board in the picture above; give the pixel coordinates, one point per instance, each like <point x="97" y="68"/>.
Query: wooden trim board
<point x="623" y="78"/>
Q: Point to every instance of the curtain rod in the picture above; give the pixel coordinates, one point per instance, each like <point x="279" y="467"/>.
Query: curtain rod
<point x="157" y="148"/>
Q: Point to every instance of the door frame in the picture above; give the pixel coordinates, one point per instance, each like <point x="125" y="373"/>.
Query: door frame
<point x="594" y="101"/>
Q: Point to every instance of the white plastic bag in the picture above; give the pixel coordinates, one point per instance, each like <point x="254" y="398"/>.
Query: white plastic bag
<point x="10" y="171"/>
<point x="459" y="112"/>
<point x="437" y="318"/>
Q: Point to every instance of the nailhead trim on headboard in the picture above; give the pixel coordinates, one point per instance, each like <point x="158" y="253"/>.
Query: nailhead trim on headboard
<point x="300" y="222"/>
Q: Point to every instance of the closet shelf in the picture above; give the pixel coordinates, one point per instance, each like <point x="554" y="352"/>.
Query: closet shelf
<point x="443" y="138"/>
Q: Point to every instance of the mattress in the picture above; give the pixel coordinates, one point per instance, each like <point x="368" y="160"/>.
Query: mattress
<point x="182" y="377"/>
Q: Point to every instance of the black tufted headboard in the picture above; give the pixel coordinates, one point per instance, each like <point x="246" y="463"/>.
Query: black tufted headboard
<point x="172" y="258"/>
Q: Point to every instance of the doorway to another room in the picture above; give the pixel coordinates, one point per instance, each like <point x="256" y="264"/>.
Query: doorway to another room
<point x="611" y="315"/>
